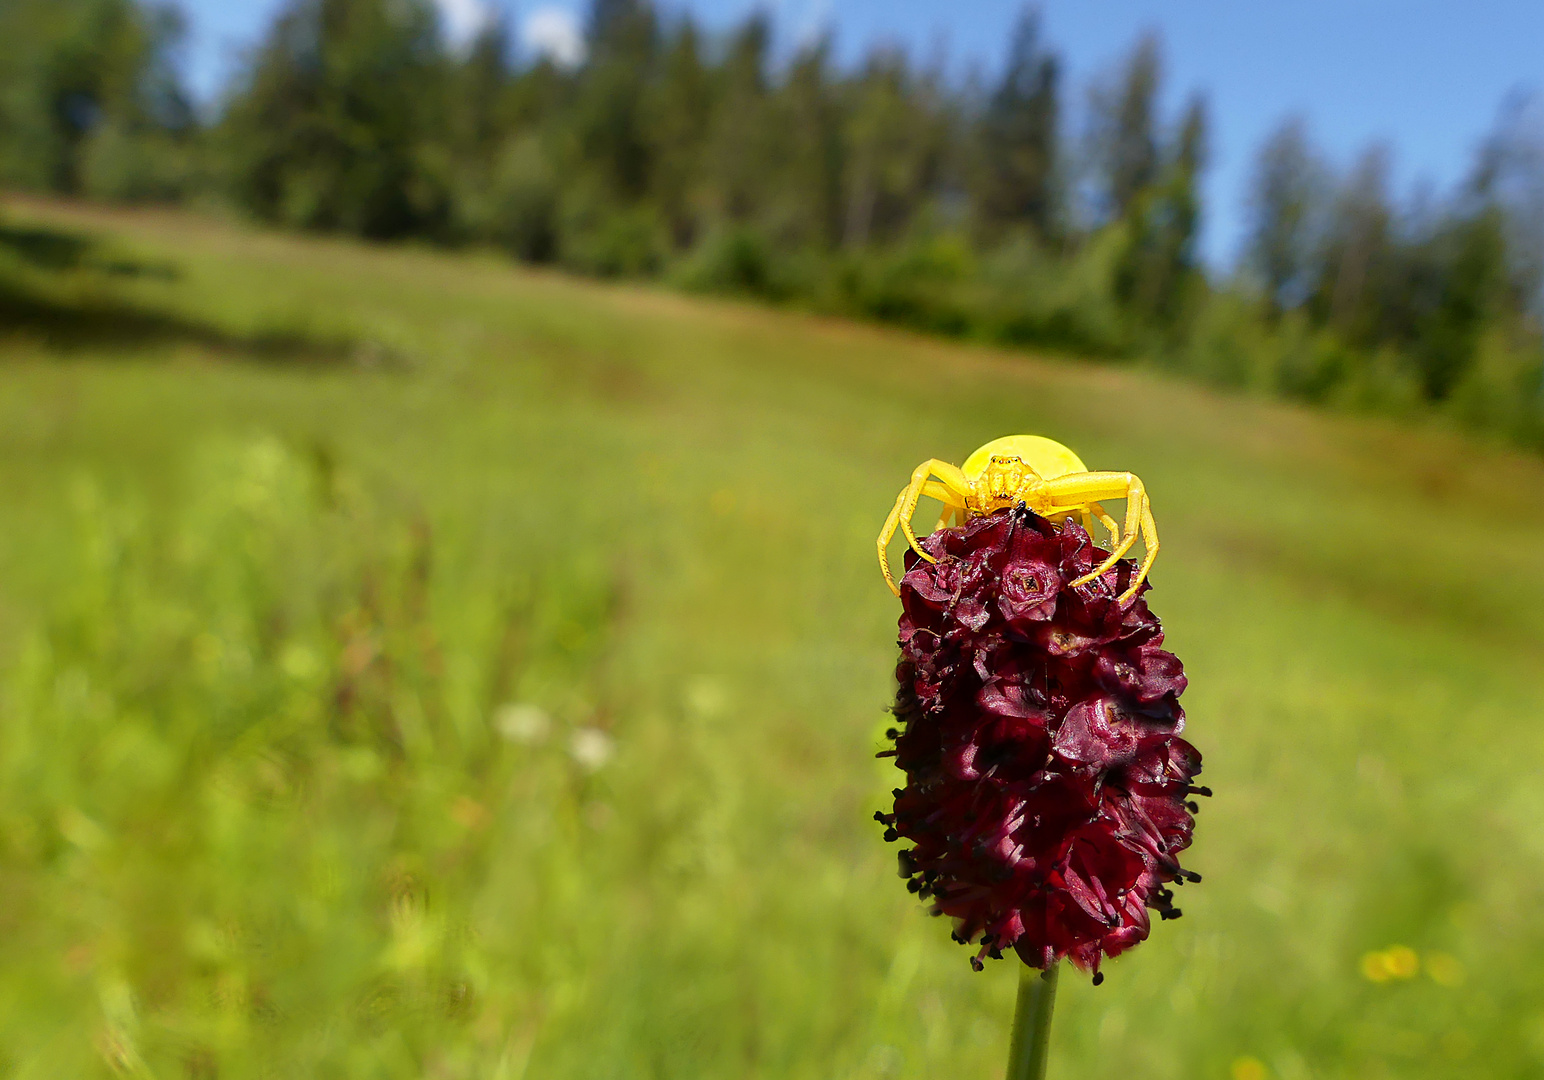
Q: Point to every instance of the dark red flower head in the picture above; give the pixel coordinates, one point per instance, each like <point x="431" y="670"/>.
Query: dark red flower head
<point x="1046" y="782"/>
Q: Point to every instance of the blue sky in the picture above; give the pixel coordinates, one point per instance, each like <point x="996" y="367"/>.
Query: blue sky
<point x="1424" y="76"/>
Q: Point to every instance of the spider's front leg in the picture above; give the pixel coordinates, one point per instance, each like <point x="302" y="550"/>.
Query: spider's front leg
<point x="1150" y="542"/>
<point x="885" y="534"/>
<point x="1092" y="486"/>
<point x="952" y="491"/>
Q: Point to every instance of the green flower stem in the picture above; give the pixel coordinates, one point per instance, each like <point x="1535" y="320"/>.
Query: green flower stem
<point x="1032" y="1023"/>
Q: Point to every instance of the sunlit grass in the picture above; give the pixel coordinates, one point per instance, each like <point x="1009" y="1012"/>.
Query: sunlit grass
<point x="265" y="810"/>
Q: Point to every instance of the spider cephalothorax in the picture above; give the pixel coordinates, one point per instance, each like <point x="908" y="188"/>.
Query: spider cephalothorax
<point x="1031" y="471"/>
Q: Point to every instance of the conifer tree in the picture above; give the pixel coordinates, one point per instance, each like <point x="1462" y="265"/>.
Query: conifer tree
<point x="740" y="153"/>
<point x="609" y="123"/>
<point x="90" y="100"/>
<point x="1354" y="257"/>
<point x="680" y="111"/>
<point x="897" y="139"/>
<point x="1126" y="127"/>
<point x="339" y="110"/>
<point x="1160" y="264"/>
<point x="808" y="109"/>
<point x="1285" y="191"/>
<point x="1016" y="181"/>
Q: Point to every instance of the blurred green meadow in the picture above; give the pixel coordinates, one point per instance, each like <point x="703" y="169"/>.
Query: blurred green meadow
<point x="415" y="666"/>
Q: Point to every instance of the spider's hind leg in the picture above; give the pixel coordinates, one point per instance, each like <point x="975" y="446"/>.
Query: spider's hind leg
<point x="1108" y="522"/>
<point x="954" y="506"/>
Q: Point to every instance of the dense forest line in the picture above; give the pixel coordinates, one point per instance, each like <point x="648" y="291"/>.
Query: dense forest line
<point x="1023" y="211"/>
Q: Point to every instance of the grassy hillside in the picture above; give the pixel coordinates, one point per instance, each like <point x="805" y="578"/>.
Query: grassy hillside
<point x="419" y="667"/>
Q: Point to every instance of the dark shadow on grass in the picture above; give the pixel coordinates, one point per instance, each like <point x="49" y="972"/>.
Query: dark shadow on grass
<point x="99" y="320"/>
<point x="49" y="249"/>
<point x="45" y="248"/>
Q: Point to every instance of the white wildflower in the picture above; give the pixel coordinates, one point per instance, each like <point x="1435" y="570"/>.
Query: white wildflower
<point x="522" y="723"/>
<point x="591" y="748"/>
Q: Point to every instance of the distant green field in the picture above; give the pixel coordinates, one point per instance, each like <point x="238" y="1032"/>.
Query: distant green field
<point x="415" y="666"/>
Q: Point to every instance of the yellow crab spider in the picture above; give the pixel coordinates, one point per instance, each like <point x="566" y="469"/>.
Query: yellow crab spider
<point x="1031" y="471"/>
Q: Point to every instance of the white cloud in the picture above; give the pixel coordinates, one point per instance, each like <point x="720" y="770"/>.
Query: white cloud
<point x="463" y="19"/>
<point x="554" y="32"/>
